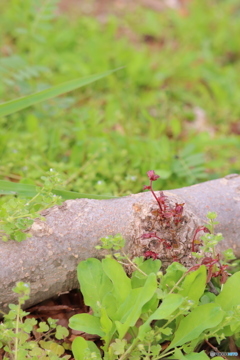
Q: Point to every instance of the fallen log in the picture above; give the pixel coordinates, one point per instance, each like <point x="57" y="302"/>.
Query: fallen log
<point x="48" y="259"/>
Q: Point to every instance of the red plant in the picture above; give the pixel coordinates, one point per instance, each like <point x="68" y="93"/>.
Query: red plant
<point x="167" y="213"/>
<point x="151" y="254"/>
<point x="214" y="268"/>
<point x="194" y="241"/>
<point x="164" y="212"/>
<point x="154" y="235"/>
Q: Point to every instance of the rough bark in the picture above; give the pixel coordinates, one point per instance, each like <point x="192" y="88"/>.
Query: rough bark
<point x="71" y="231"/>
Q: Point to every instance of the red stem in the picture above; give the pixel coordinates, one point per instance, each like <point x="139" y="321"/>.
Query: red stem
<point x="160" y="206"/>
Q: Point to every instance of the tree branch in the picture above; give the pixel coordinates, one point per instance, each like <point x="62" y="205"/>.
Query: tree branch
<point x="48" y="259"/>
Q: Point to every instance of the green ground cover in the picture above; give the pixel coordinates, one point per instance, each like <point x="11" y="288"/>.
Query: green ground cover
<point x="173" y="107"/>
<point x="103" y="138"/>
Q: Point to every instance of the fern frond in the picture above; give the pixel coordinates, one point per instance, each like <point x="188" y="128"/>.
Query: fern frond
<point x="31" y="18"/>
<point x="44" y="13"/>
<point x="189" y="166"/>
<point x="15" y="71"/>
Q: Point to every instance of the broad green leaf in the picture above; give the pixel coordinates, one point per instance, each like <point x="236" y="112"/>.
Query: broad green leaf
<point x="152" y="304"/>
<point x="173" y="273"/>
<point x="207" y="298"/>
<point x="235" y="325"/>
<point x="144" y="295"/>
<point x="189" y="347"/>
<point x="27" y="190"/>
<point x="87" y="323"/>
<point x="126" y="307"/>
<point x="108" y="327"/>
<point x="149" y="266"/>
<point x="121" y="282"/>
<point x="168" y="306"/>
<point x="110" y="303"/>
<point x="229" y="296"/>
<point x="193" y="356"/>
<point x="200" y="319"/>
<point x="178" y="355"/>
<point x="80" y="346"/>
<point x="226" y="330"/>
<point x="106" y="323"/>
<point x="13" y="106"/>
<point x="194" y="284"/>
<point x="93" y="281"/>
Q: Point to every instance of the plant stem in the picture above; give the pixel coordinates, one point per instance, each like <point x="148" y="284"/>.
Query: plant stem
<point x="166" y="354"/>
<point x="129" y="349"/>
<point x="160" y="206"/>
<point x="178" y="282"/>
<point x="214" y="348"/>
<point x="134" y="265"/>
<point x="16" y="333"/>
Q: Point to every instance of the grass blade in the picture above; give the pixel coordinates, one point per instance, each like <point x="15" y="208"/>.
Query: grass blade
<point x="26" y="190"/>
<point x="13" y="106"/>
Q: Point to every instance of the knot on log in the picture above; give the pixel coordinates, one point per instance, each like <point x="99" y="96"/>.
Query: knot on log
<point x="173" y="240"/>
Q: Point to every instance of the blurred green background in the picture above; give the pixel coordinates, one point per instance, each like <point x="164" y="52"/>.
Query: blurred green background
<point x="173" y="108"/>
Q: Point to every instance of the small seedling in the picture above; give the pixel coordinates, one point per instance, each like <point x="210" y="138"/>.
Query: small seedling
<point x="18" y="214"/>
<point x="16" y="333"/>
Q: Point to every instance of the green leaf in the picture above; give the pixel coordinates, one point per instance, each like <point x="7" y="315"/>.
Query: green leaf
<point x="168" y="306"/>
<point x="121" y="282"/>
<point x="106" y="325"/>
<point x="36" y="353"/>
<point x="173" y="273"/>
<point x="151" y="305"/>
<point x="190" y="346"/>
<point x="194" y="284"/>
<point x="144" y="295"/>
<point x="28" y="324"/>
<point x="87" y="323"/>
<point x="54" y="348"/>
<point x="149" y="266"/>
<point x="119" y="346"/>
<point x="178" y="355"/>
<point x="28" y="190"/>
<point x="111" y="304"/>
<point x="193" y="356"/>
<point x="52" y="323"/>
<point x="200" y="356"/>
<point x="81" y="347"/>
<point x="19" y="236"/>
<point x="61" y="332"/>
<point x="93" y="281"/>
<point x="193" y="325"/>
<point x="229" y="296"/>
<point x="43" y="327"/>
<point x="126" y="307"/>
<point x="26" y="101"/>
